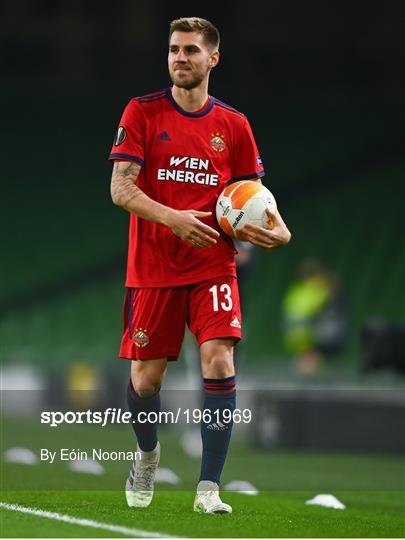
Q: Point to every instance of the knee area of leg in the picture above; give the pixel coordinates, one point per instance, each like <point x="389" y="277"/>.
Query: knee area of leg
<point x="145" y="387"/>
<point x="220" y="367"/>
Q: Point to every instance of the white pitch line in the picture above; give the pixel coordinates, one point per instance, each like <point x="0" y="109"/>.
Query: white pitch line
<point x="84" y="522"/>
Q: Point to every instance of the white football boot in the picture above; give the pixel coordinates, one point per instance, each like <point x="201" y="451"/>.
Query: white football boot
<point x="139" y="485"/>
<point x="207" y="500"/>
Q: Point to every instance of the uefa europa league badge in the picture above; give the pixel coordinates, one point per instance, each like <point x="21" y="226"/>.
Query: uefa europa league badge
<point x="120" y="136"/>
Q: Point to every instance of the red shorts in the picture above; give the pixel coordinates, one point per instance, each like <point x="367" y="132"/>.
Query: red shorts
<point x="155" y="319"/>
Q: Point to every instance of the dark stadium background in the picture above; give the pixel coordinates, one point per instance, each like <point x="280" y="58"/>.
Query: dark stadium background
<point x="322" y="85"/>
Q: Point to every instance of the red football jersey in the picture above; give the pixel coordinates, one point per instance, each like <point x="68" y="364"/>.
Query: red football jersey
<point x="187" y="159"/>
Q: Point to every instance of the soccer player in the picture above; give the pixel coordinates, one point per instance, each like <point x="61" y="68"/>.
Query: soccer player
<point x="174" y="152"/>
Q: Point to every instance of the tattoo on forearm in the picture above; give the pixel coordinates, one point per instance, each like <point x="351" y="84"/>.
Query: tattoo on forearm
<point x="128" y="169"/>
<point x="123" y="180"/>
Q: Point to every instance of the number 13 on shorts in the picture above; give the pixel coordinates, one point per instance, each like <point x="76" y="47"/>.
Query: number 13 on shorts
<point x="221" y="297"/>
<point x="215" y="309"/>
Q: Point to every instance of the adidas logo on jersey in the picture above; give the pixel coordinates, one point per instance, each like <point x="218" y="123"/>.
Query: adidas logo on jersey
<point x="164" y="136"/>
<point x="235" y="323"/>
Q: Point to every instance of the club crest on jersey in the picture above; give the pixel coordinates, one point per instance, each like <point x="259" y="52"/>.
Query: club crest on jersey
<point x="217" y="142"/>
<point x="140" y="338"/>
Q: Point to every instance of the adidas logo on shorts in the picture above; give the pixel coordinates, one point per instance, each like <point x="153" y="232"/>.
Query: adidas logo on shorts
<point x="235" y="323"/>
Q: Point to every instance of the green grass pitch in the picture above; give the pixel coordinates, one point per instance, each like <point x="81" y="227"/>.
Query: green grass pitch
<point x="372" y="487"/>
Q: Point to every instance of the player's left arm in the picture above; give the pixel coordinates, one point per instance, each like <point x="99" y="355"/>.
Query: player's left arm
<point x="277" y="236"/>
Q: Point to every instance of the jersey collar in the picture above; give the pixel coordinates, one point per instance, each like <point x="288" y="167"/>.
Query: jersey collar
<point x="206" y="109"/>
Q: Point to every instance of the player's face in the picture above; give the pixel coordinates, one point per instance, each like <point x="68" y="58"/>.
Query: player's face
<point x="190" y="60"/>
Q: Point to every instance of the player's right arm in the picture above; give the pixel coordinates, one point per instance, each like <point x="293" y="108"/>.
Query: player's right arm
<point x="184" y="223"/>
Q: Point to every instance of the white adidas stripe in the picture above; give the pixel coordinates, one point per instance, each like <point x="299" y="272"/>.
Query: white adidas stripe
<point x="85" y="522"/>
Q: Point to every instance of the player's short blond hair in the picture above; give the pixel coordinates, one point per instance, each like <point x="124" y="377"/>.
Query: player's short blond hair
<point x="196" y="24"/>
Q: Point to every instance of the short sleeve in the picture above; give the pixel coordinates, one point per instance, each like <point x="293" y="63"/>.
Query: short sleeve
<point x="129" y="142"/>
<point x="247" y="163"/>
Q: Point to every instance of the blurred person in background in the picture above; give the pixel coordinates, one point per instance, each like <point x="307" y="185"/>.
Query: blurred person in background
<point x="174" y="152"/>
<point x="314" y="316"/>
